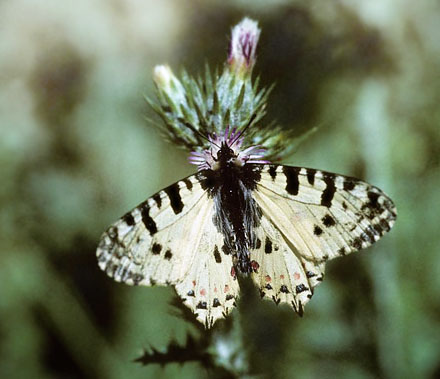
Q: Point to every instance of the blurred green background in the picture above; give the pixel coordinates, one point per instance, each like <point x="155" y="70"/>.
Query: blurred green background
<point x="76" y="154"/>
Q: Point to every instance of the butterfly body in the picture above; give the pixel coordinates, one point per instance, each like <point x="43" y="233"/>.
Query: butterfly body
<point x="237" y="214"/>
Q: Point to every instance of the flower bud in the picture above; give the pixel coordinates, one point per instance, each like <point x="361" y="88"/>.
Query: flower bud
<point x="243" y="46"/>
<point x="162" y="76"/>
<point x="168" y="84"/>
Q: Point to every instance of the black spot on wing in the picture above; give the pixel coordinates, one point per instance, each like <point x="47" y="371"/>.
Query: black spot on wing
<point x="156" y="249"/>
<point x="268" y="286"/>
<point x="158" y="200"/>
<point x="311" y="176"/>
<point x="217" y="255"/>
<point x="373" y="197"/>
<point x="175" y="199"/>
<point x="317" y="231"/>
<point x="349" y="184"/>
<point x="310" y="274"/>
<point x="390" y="206"/>
<point x="258" y="243"/>
<point x="123" y="273"/>
<point x="255" y="266"/>
<point x="273" y="172"/>
<point x="329" y="191"/>
<point x="284" y="289"/>
<point x="268" y="246"/>
<point x="168" y="254"/>
<point x="384" y="225"/>
<point x="378" y="229"/>
<point x="367" y="236"/>
<point x="300" y="288"/>
<point x="191" y="293"/>
<point x="137" y="278"/>
<point x="188" y="184"/>
<point x="215" y="303"/>
<point x="371" y="231"/>
<point x="367" y="211"/>
<point x="328" y="220"/>
<point x="292" y="179"/>
<point x="202" y="305"/>
<point x="147" y="220"/>
<point x="229" y="297"/>
<point x="129" y="219"/>
<point x="357" y="243"/>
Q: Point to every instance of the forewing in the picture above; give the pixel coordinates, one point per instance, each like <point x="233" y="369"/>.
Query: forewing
<point x="324" y="215"/>
<point x="170" y="239"/>
<point x="312" y="216"/>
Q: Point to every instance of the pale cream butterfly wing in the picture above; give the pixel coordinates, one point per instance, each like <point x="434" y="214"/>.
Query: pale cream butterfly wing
<point x="282" y="275"/>
<point x="170" y="239"/>
<point x="308" y="217"/>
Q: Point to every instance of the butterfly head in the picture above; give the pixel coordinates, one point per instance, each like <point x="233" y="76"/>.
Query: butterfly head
<point x="226" y="149"/>
<point x="225" y="156"/>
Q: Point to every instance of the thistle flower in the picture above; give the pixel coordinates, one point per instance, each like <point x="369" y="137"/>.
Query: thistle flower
<point x="199" y="115"/>
<point x="243" y="46"/>
<point x="207" y="159"/>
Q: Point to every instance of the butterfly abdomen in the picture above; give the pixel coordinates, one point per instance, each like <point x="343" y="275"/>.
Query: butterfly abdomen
<point x="236" y="212"/>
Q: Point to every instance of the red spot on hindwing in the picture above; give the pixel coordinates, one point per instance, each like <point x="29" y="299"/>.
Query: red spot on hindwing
<point x="194" y="283"/>
<point x="296" y="276"/>
<point x="233" y="273"/>
<point x="203" y="292"/>
<point x="255" y="266"/>
<point x="226" y="288"/>
<point x="268" y="278"/>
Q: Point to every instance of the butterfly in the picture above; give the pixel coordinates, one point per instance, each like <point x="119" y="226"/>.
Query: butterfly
<point x="240" y="215"/>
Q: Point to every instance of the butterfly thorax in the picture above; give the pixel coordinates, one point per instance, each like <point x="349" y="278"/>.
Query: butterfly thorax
<point x="236" y="214"/>
<point x="226" y="158"/>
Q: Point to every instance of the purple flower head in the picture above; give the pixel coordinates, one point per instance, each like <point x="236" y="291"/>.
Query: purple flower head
<point x="243" y="46"/>
<point x="208" y="159"/>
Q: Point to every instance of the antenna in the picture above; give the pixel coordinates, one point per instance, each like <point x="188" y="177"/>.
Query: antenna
<point x="200" y="134"/>
<point x="244" y="129"/>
